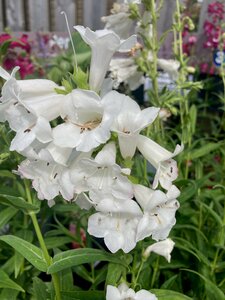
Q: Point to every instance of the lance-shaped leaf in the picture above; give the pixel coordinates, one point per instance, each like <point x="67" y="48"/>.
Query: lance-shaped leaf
<point x="84" y="295"/>
<point x="6" y="282"/>
<point x="77" y="257"/>
<point x="32" y="253"/>
<point x="169" y="295"/>
<point x="19" y="203"/>
<point x="6" y="215"/>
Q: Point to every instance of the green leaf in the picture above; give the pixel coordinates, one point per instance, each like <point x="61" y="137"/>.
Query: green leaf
<point x="4" y="46"/>
<point x="6" y="282"/>
<point x="213" y="213"/>
<point x="19" y="259"/>
<point x="83" y="57"/>
<point x="66" y="279"/>
<point x="60" y="91"/>
<point x="19" y="202"/>
<point x="206" y="149"/>
<point x="67" y="85"/>
<point x="189" y="247"/>
<point x="193" y="118"/>
<point x="81" y="79"/>
<point x="100" y="276"/>
<point x="40" y="289"/>
<point x="83" y="295"/>
<point x="169" y="282"/>
<point x="55" y="242"/>
<point x="114" y="273"/>
<point x="32" y="253"/>
<point x="169" y="295"/>
<point x="8" y="174"/>
<point x="214" y="292"/>
<point x="77" y="257"/>
<point x="83" y="273"/>
<point x="6" y="215"/>
<point x="9" y="294"/>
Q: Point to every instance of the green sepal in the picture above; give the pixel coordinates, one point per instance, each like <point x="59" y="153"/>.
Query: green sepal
<point x="80" y="78"/>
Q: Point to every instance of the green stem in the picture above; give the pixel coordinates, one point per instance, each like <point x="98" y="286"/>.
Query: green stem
<point x="138" y="274"/>
<point x="154" y="50"/>
<point x="156" y="266"/>
<point x="47" y="257"/>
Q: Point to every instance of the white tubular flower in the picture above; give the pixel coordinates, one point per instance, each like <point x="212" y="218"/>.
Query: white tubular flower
<point x="163" y="248"/>
<point x="36" y="95"/>
<point x="123" y="292"/>
<point x="45" y="178"/>
<point x="129" y="122"/>
<point x="107" y="203"/>
<point x="120" y="23"/>
<point x="10" y="91"/>
<point x="118" y="230"/>
<point x="169" y="66"/>
<point x="58" y="154"/>
<point x="104" y="43"/>
<point x="159" y="212"/>
<point x="39" y="97"/>
<point x="101" y="175"/>
<point x="28" y="127"/>
<point x="161" y="160"/>
<point x="125" y="70"/>
<point x="88" y="120"/>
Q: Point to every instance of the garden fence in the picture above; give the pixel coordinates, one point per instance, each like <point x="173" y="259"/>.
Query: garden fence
<point x="44" y="15"/>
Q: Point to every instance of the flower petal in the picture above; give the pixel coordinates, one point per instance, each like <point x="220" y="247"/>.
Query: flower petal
<point x="66" y="135"/>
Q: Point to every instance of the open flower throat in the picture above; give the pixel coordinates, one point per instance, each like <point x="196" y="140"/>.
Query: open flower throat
<point x="89" y="125"/>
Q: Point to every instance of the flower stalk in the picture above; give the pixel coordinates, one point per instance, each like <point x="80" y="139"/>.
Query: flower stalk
<point x="47" y="257"/>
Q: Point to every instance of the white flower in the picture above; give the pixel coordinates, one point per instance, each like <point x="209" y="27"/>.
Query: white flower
<point x="40" y="98"/>
<point x="120" y="23"/>
<point x="37" y="95"/>
<point x="88" y="119"/>
<point x="101" y="175"/>
<point x="107" y="203"/>
<point x="170" y="66"/>
<point x="125" y="70"/>
<point x="161" y="160"/>
<point x="129" y="122"/>
<point x="118" y="230"/>
<point x="104" y="43"/>
<point x="163" y="248"/>
<point x="159" y="212"/>
<point x="45" y="178"/>
<point x="59" y="154"/>
<point x="28" y="127"/>
<point x="123" y="292"/>
<point x="10" y="91"/>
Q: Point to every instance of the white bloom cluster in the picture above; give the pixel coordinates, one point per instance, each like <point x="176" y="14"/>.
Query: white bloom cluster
<point x="124" y="69"/>
<point x="74" y="156"/>
<point x="123" y="292"/>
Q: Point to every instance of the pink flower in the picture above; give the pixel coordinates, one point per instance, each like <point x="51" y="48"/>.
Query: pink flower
<point x="216" y="9"/>
<point x="22" y="43"/>
<point x="192" y="40"/>
<point x="4" y="37"/>
<point x="204" y="68"/>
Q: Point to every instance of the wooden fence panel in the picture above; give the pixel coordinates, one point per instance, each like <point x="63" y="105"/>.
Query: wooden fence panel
<point x="1" y="17"/>
<point x="70" y="9"/>
<point x="94" y="10"/>
<point x="44" y="15"/>
<point x="14" y="15"/>
<point x="38" y="15"/>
